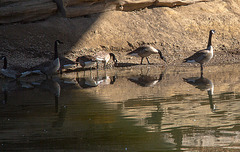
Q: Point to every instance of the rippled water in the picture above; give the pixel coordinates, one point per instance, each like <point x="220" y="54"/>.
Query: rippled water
<point x="142" y="109"/>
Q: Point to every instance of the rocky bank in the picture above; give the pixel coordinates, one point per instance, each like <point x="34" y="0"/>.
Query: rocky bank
<point x="177" y="29"/>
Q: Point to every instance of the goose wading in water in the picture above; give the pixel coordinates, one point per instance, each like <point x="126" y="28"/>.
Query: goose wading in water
<point x="105" y="57"/>
<point x="202" y="56"/>
<point x="145" y="52"/>
<point x="86" y="61"/>
<point x="9" y="72"/>
<point x="53" y="66"/>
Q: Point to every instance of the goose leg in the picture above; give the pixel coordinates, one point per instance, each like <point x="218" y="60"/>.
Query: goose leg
<point x="201" y="69"/>
<point x="105" y="65"/>
<point x="56" y="104"/>
<point x="141" y="60"/>
<point x="148" y="60"/>
<point x="5" y="97"/>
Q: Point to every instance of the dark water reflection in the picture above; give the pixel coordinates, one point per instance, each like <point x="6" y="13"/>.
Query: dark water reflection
<point x="145" y="109"/>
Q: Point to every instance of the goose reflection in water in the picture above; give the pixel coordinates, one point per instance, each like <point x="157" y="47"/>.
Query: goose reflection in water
<point x="203" y="84"/>
<point x="53" y="87"/>
<point x="8" y="86"/>
<point x="89" y="82"/>
<point x="145" y="80"/>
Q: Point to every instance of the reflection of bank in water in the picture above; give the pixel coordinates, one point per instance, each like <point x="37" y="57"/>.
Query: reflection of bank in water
<point x="203" y="84"/>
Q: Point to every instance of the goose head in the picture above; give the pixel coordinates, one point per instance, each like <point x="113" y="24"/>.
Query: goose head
<point x="114" y="57"/>
<point x="4" y="58"/>
<point x="212" y="31"/>
<point x="161" y="56"/>
<point x="57" y="42"/>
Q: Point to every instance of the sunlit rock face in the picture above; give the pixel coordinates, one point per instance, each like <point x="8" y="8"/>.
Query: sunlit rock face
<point x="26" y="10"/>
<point x="174" y="3"/>
<point x="74" y="8"/>
<point x="12" y="11"/>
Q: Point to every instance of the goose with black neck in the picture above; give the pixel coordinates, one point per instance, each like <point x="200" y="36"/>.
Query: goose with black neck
<point x="202" y="56"/>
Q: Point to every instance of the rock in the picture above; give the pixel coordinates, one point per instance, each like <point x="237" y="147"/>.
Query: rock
<point x="33" y="10"/>
<point x="88" y="8"/>
<point x="75" y="8"/>
<point x="174" y="3"/>
<point x="26" y="10"/>
<point x="129" y="5"/>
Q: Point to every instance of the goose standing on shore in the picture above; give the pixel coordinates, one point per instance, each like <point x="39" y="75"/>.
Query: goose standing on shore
<point x="105" y="57"/>
<point x="8" y="72"/>
<point x="145" y="51"/>
<point x="53" y="66"/>
<point x="202" y="56"/>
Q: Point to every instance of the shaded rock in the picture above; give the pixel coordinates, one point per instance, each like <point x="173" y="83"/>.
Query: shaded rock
<point x="88" y="8"/>
<point x="25" y="10"/>
<point x="75" y="8"/>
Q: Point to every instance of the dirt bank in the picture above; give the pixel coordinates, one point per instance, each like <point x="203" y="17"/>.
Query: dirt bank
<point x="178" y="32"/>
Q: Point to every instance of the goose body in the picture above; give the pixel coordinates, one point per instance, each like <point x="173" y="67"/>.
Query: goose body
<point x="9" y="72"/>
<point x="53" y="66"/>
<point x="87" y="61"/>
<point x="202" y="56"/>
<point x="105" y="57"/>
<point x="145" y="52"/>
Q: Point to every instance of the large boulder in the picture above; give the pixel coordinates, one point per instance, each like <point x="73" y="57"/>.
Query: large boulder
<point x="26" y="10"/>
<point x="75" y="8"/>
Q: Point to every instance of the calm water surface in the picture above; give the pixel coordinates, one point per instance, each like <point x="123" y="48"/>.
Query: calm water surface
<point x="142" y="109"/>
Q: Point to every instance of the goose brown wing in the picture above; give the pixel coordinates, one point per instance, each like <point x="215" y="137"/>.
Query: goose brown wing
<point x="86" y="58"/>
<point x="198" y="56"/>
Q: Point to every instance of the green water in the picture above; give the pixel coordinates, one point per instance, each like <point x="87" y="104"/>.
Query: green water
<point x="130" y="111"/>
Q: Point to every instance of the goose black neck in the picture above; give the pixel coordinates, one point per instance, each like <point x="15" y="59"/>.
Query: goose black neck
<point x="160" y="53"/>
<point x="209" y="39"/>
<point x="113" y="56"/>
<point x="55" y="51"/>
<point x="4" y="63"/>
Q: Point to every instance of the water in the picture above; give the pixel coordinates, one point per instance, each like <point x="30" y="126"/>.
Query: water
<point x="142" y="109"/>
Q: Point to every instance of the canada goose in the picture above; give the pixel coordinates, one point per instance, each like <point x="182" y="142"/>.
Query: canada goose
<point x="86" y="61"/>
<point x="145" y="51"/>
<point x="202" y="56"/>
<point x="105" y="57"/>
<point x="54" y="66"/>
<point x="203" y="84"/>
<point x="9" y="72"/>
